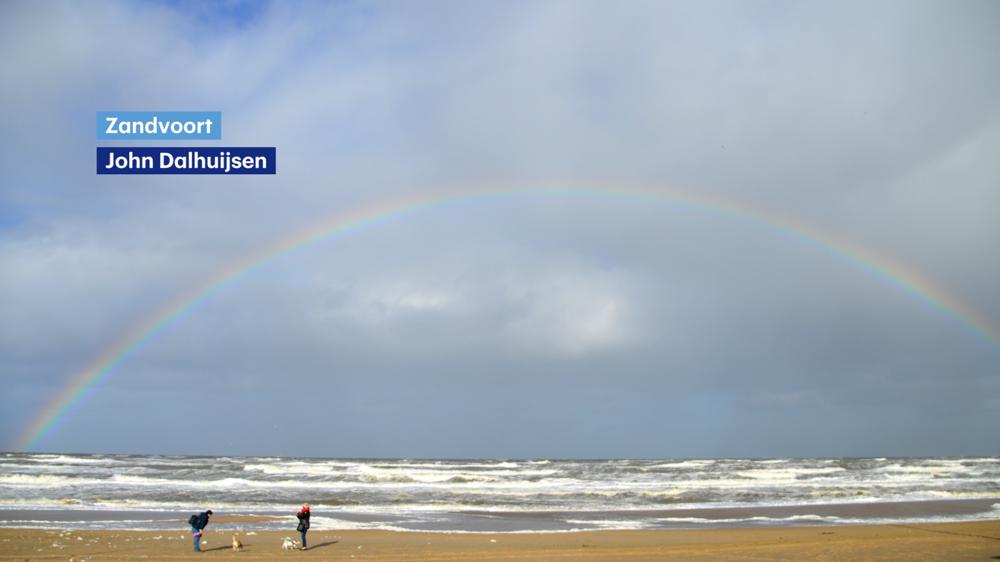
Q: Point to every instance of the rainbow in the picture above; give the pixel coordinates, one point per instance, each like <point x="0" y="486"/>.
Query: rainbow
<point x="896" y="274"/>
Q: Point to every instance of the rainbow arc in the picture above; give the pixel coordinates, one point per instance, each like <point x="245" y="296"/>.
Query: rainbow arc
<point x="79" y="384"/>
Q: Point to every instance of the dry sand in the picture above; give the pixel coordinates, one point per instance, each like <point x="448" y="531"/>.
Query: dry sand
<point x="950" y="542"/>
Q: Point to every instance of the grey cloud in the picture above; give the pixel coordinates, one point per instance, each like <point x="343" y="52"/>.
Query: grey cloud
<point x="572" y="323"/>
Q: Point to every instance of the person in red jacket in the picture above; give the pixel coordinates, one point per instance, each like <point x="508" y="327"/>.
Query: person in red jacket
<point x="303" y="516"/>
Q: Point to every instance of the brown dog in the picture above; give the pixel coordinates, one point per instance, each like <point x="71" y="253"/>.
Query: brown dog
<point x="237" y="545"/>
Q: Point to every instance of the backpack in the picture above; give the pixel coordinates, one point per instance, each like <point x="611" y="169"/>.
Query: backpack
<point x="193" y="520"/>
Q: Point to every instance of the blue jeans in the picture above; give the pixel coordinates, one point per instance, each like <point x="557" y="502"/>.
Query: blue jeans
<point x="303" y="538"/>
<point x="197" y="538"/>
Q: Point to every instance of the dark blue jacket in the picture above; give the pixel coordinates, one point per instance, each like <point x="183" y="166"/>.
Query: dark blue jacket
<point x="202" y="520"/>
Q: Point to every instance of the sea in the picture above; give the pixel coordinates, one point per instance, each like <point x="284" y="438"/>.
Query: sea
<point x="151" y="492"/>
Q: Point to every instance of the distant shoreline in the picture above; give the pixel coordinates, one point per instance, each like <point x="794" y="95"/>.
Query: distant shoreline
<point x="516" y="522"/>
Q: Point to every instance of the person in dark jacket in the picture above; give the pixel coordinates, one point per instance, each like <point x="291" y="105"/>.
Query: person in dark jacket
<point x="303" y="516"/>
<point x="198" y="523"/>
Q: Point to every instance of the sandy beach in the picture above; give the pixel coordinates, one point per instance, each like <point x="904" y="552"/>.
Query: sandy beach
<point x="953" y="542"/>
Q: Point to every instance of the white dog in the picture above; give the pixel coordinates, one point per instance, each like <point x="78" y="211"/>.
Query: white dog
<point x="289" y="544"/>
<point x="237" y="545"/>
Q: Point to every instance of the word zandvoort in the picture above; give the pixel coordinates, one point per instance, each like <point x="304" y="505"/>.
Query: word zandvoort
<point x="116" y="126"/>
<point x="159" y="125"/>
<point x="201" y="160"/>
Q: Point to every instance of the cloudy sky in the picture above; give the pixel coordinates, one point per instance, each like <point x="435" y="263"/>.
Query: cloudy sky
<point x="547" y="319"/>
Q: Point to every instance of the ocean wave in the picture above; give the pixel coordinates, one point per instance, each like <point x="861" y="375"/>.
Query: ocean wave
<point x="306" y="468"/>
<point x="758" y="519"/>
<point x="789" y="474"/>
<point x="421" y="472"/>
<point x="67" y="459"/>
<point x="47" y="480"/>
<point x="685" y="464"/>
<point x="374" y="482"/>
<point x="442" y="474"/>
<point x="387" y="486"/>
<point x="610" y="524"/>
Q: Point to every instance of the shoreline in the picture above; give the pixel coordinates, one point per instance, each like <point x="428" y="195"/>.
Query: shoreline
<point x="956" y="542"/>
<point x="527" y="521"/>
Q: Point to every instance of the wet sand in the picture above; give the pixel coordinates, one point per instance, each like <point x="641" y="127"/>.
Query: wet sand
<point x="954" y="542"/>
